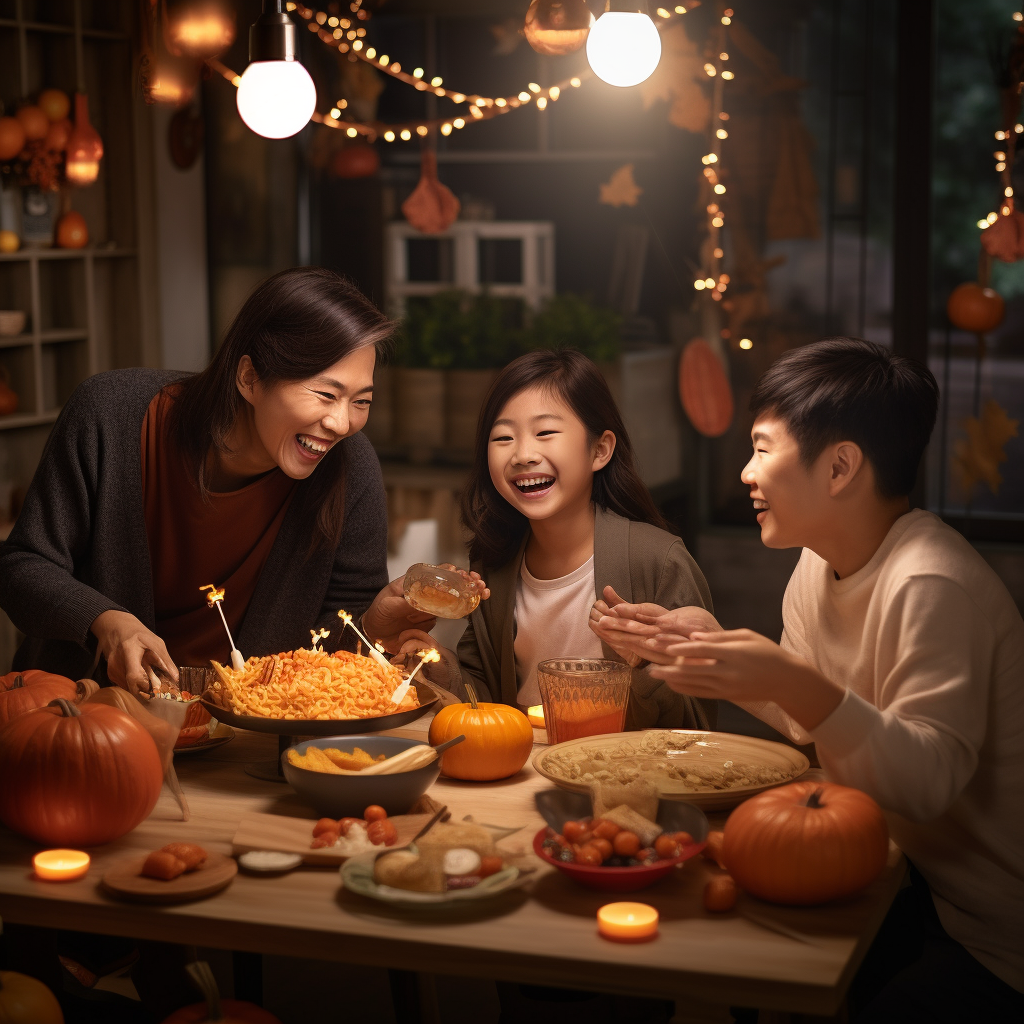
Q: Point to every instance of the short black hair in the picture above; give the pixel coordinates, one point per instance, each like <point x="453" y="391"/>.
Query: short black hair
<point x="848" y="389"/>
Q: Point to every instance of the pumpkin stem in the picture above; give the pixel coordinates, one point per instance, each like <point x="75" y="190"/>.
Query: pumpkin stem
<point x="69" y="710"/>
<point x="202" y="975"/>
<point x="471" y="692"/>
<point x="814" y="800"/>
<point x="84" y="689"/>
<point x="18" y="682"/>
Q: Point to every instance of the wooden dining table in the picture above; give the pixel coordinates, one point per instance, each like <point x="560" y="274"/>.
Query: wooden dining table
<point x="775" y="958"/>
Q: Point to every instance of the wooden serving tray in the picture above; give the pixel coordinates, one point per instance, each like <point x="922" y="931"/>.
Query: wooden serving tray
<point x="125" y="881"/>
<point x="293" y="835"/>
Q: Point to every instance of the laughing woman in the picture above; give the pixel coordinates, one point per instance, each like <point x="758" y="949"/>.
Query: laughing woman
<point x="252" y="475"/>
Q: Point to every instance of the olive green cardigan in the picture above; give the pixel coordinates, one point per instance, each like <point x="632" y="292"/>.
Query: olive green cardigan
<point x="642" y="563"/>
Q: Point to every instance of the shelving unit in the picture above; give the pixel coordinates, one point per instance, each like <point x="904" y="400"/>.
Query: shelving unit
<point x="89" y="309"/>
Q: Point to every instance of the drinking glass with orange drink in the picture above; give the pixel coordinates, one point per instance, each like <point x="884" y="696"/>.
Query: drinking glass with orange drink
<point x="583" y="697"/>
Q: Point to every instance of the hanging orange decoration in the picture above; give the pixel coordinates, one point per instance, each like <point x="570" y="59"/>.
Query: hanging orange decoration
<point x="12" y="138"/>
<point x="198" y="28"/>
<point x="54" y="103"/>
<point x="72" y="231"/>
<point x="1004" y="238"/>
<point x="35" y="123"/>
<point x="85" y="147"/>
<point x="432" y="207"/>
<point x="704" y="389"/>
<point x="978" y="458"/>
<point x="621" y="189"/>
<point x="972" y="307"/>
<point x="557" y="27"/>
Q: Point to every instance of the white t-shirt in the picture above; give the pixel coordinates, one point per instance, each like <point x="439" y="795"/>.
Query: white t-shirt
<point x="930" y="647"/>
<point x="552" y="619"/>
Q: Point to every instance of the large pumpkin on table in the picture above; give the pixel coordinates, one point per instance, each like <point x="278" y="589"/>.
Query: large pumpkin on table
<point x="806" y="843"/>
<point x="498" y="742"/>
<point x="77" y="775"/>
<point x="26" y="691"/>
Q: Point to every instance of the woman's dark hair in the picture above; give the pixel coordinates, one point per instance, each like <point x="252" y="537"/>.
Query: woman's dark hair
<point x="846" y="389"/>
<point x="497" y="527"/>
<point x="293" y="326"/>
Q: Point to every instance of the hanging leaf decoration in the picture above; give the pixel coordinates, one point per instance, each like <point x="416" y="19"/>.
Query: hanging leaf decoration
<point x="621" y="189"/>
<point x="977" y="458"/>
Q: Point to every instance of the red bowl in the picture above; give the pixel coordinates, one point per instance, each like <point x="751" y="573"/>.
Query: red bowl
<point x="613" y="879"/>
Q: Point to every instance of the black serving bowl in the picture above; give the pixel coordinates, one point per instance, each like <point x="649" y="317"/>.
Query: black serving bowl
<point x="347" y="796"/>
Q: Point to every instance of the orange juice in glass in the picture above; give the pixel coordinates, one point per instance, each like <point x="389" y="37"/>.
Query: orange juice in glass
<point x="583" y="697"/>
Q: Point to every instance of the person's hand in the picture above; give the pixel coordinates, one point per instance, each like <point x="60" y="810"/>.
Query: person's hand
<point x="625" y="627"/>
<point x="741" y="665"/>
<point x="390" y="614"/>
<point x="444" y="673"/>
<point x="131" y="650"/>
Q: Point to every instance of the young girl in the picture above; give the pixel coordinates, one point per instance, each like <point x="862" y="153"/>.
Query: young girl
<point x="559" y="517"/>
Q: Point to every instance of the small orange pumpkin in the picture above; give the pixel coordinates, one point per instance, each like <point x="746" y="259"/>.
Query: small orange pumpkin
<point x="806" y="843"/>
<point x="974" y="308"/>
<point x="72" y="231"/>
<point x="499" y="739"/>
<point x="26" y="691"/>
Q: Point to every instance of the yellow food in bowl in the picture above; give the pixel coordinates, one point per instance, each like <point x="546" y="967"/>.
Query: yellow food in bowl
<point x="332" y="760"/>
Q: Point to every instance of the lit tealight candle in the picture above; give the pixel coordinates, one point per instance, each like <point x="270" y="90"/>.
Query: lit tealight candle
<point x="627" y="922"/>
<point x="60" y="865"/>
<point x="536" y="716"/>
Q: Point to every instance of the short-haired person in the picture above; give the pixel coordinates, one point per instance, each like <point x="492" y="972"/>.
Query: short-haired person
<point x="902" y="659"/>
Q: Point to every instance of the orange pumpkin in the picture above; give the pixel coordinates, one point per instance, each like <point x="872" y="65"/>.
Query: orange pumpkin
<point x="974" y="308"/>
<point x="26" y="691"/>
<point x="24" y="1000"/>
<point x="499" y="739"/>
<point x="54" y="103"/>
<point x="34" y="122"/>
<point x="704" y="389"/>
<point x="72" y="231"/>
<point x="806" y="843"/>
<point x="213" y="1008"/>
<point x="12" y="138"/>
<point x="85" y="774"/>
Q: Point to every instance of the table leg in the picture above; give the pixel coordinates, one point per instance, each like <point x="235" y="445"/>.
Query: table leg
<point x="414" y="996"/>
<point x="247" y="969"/>
<point x="695" y="1011"/>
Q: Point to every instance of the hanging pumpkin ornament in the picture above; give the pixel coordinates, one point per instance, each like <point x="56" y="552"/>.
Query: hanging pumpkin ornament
<point x="705" y="390"/>
<point x="12" y="138"/>
<point x="359" y="160"/>
<point x="34" y="122"/>
<point x="499" y="739"/>
<point x="806" y="843"/>
<point x="199" y="29"/>
<point x="24" y="1000"/>
<point x="54" y="103"/>
<point x="85" y="147"/>
<point x="432" y="208"/>
<point x="557" y="27"/>
<point x="57" y="137"/>
<point x="974" y="308"/>
<point x="1004" y="238"/>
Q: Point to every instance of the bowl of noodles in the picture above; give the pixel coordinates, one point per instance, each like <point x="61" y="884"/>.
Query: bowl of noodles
<point x="313" y="693"/>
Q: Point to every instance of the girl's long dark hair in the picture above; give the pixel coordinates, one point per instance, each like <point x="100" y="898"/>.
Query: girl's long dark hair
<point x="498" y="528"/>
<point x="294" y="326"/>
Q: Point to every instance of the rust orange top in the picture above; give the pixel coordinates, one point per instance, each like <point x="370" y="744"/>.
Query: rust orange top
<point x="192" y="542"/>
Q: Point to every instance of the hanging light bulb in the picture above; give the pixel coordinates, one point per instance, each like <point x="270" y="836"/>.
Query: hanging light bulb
<point x="85" y="147"/>
<point x="276" y="96"/>
<point x="556" y="27"/>
<point x="624" y="46"/>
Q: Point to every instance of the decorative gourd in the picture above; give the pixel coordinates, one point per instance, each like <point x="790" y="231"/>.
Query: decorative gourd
<point x="85" y="774"/>
<point x="26" y="691"/>
<point x="72" y="231"/>
<point x="431" y="207"/>
<point x="974" y="308"/>
<point x="499" y="739"/>
<point x="223" y="1011"/>
<point x="12" y="138"/>
<point x="24" y="1000"/>
<point x="806" y="843"/>
<point x="704" y="389"/>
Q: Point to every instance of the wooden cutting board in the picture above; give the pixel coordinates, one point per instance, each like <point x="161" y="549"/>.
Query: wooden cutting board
<point x="124" y="880"/>
<point x="293" y="835"/>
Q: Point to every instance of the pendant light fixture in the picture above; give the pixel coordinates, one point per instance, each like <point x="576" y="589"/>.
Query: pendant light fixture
<point x="624" y="46"/>
<point x="276" y="96"/>
<point x="84" y="148"/>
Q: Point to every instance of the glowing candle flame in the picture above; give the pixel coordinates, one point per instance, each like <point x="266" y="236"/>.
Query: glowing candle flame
<point x="317" y="636"/>
<point x="376" y="652"/>
<point x="214" y="596"/>
<point x="215" y="599"/>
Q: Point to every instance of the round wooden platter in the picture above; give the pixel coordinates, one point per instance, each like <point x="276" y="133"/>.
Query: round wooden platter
<point x="125" y="881"/>
<point x="709" y="748"/>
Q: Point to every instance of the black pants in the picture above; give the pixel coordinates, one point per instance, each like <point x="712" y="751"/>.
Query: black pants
<point x="915" y="972"/>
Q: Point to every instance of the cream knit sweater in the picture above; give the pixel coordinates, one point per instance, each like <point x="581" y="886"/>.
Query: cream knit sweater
<point x="930" y="647"/>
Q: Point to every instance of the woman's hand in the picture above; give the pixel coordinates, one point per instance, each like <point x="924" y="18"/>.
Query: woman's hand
<point x="444" y="673"/>
<point x="131" y="651"/>
<point x="390" y="615"/>
<point x="624" y="645"/>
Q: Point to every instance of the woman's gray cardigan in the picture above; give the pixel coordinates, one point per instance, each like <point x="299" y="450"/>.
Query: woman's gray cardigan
<point x="80" y="548"/>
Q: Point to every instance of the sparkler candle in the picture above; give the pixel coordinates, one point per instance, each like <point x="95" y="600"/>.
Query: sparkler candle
<point x="374" y="652"/>
<point x="431" y="654"/>
<point x="317" y="636"/>
<point x="215" y="599"/>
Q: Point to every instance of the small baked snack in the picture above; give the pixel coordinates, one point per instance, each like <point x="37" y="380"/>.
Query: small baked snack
<point x="163" y="865"/>
<point x="194" y="856"/>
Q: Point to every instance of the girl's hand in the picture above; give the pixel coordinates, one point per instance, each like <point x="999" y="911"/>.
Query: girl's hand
<point x="444" y="673"/>
<point x="131" y="650"/>
<point x="624" y="645"/>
